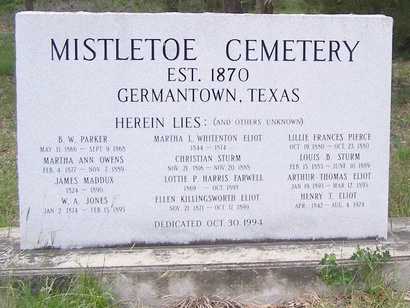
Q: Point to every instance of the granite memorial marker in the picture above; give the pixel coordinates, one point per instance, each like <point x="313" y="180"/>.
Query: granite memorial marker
<point x="201" y="128"/>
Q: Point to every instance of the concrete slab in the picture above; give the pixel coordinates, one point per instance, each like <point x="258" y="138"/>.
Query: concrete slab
<point x="268" y="272"/>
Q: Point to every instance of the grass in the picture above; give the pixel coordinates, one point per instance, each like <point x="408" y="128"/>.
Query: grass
<point x="399" y="190"/>
<point x="87" y="291"/>
<point x="363" y="282"/>
<point x="83" y="290"/>
<point x="8" y="178"/>
<point x="6" y="54"/>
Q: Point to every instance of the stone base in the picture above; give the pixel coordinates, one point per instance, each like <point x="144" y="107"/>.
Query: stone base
<point x="266" y="273"/>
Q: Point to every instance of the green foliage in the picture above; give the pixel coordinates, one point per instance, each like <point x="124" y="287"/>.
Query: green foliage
<point x="8" y="191"/>
<point x="403" y="154"/>
<point x="64" y="291"/>
<point x="192" y="6"/>
<point x="398" y="9"/>
<point x="6" y="54"/>
<point x="401" y="85"/>
<point x="369" y="270"/>
<point x="333" y="274"/>
<point x="291" y="7"/>
<point x="8" y="179"/>
<point x="366" y="272"/>
<point x="401" y="82"/>
<point x="8" y="6"/>
<point x="399" y="188"/>
<point x="7" y="100"/>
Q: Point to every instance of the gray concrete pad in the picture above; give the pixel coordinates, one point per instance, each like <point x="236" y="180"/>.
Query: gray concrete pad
<point x="265" y="272"/>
